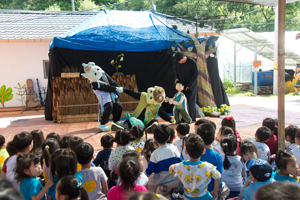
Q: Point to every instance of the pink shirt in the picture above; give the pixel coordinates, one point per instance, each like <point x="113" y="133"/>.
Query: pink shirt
<point x="119" y="193"/>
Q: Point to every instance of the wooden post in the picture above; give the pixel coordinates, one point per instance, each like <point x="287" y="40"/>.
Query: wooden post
<point x="281" y="73"/>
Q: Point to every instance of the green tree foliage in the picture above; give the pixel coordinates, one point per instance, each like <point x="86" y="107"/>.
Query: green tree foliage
<point x="225" y="15"/>
<point x="87" y="4"/>
<point x="53" y="7"/>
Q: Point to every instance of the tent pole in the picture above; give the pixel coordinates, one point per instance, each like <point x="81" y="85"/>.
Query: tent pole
<point x="234" y="65"/>
<point x="275" y="72"/>
<point x="73" y="5"/>
<point x="281" y="73"/>
<point x="255" y="68"/>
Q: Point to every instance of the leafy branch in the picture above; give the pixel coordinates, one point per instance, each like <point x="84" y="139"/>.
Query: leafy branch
<point x="116" y="63"/>
<point x="21" y="92"/>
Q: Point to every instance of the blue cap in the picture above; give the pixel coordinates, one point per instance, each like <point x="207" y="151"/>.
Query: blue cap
<point x="260" y="169"/>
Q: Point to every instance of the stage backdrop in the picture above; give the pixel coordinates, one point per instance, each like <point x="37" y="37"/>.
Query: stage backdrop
<point x="144" y="40"/>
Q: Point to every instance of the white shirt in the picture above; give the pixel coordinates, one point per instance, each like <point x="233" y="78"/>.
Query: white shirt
<point x="292" y="147"/>
<point x="142" y="180"/>
<point x="181" y="149"/>
<point x="233" y="176"/>
<point x="138" y="146"/>
<point x="296" y="153"/>
<point x="216" y="146"/>
<point x="93" y="178"/>
<point x="9" y="171"/>
<point x="263" y="150"/>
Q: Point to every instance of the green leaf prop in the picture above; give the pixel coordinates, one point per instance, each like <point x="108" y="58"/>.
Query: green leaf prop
<point x="201" y="25"/>
<point x="191" y="41"/>
<point x="183" y="23"/>
<point x="5" y="94"/>
<point x="182" y="43"/>
<point x="175" y="27"/>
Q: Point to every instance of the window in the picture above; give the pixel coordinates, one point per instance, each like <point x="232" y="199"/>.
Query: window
<point x="46" y="68"/>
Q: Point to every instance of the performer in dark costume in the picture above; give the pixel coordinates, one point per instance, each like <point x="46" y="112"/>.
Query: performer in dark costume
<point x="187" y="72"/>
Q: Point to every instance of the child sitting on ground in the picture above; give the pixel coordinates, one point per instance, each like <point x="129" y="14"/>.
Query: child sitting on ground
<point x="69" y="188"/>
<point x="261" y="173"/>
<point x="290" y="133"/>
<point x="94" y="178"/>
<point x="202" y="121"/>
<point x="272" y="142"/>
<point x="64" y="142"/>
<point x="207" y="132"/>
<point x="54" y="135"/>
<point x="107" y="142"/>
<point x="172" y="135"/>
<point x="160" y="161"/>
<point x="38" y="139"/>
<point x="3" y="152"/>
<point x="122" y="138"/>
<point x="278" y="190"/>
<point x="142" y="179"/>
<point x="296" y="152"/>
<point x="230" y="122"/>
<point x="262" y="135"/>
<point x="136" y="132"/>
<point x="216" y="146"/>
<point x="73" y="142"/>
<point x="149" y="147"/>
<point x="63" y="163"/>
<point x="22" y="142"/>
<point x="129" y="171"/>
<point x="248" y="151"/>
<point x="195" y="175"/>
<point x="28" y="168"/>
<point x="182" y="130"/>
<point x="287" y="167"/>
<point x="49" y="146"/>
<point x="234" y="168"/>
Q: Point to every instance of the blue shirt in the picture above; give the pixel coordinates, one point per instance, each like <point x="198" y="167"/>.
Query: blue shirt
<point x="278" y="177"/>
<point x="30" y="187"/>
<point x="52" y="189"/>
<point x="215" y="159"/>
<point x="102" y="160"/>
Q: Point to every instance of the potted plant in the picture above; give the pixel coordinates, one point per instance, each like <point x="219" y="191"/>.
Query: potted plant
<point x="116" y="63"/>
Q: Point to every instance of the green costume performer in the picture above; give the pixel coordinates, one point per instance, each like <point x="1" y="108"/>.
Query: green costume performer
<point x="148" y="108"/>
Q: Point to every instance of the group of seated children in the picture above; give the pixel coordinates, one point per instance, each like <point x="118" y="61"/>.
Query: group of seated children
<point x="199" y="165"/>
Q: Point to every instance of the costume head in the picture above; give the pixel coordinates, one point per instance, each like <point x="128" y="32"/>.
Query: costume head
<point x="92" y="71"/>
<point x="155" y="95"/>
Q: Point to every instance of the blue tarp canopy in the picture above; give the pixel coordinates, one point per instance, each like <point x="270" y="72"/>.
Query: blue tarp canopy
<point x="131" y="31"/>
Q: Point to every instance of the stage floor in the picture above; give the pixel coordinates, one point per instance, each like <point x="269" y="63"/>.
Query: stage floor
<point x="247" y="111"/>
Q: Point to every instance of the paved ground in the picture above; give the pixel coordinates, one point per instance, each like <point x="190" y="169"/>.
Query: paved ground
<point x="247" y="111"/>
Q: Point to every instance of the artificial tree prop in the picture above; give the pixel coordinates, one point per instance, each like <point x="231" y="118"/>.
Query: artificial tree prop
<point x="116" y="63"/>
<point x="5" y="94"/>
<point x="204" y="90"/>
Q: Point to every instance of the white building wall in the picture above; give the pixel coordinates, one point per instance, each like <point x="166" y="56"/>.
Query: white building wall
<point x="21" y="60"/>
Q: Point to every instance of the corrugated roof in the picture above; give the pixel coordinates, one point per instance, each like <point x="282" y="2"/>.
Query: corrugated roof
<point x="259" y="2"/>
<point x="265" y="48"/>
<point x="39" y="24"/>
<point x="20" y="24"/>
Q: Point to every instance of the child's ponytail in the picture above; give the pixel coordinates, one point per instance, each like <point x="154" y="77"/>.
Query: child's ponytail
<point x="136" y="132"/>
<point x="49" y="146"/>
<point x="149" y="147"/>
<point x="129" y="170"/>
<point x="282" y="159"/>
<point x="72" y="188"/>
<point x="229" y="145"/>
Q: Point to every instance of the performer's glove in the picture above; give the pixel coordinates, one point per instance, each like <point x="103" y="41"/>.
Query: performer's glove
<point x="94" y="85"/>
<point x="119" y="89"/>
<point x="173" y="121"/>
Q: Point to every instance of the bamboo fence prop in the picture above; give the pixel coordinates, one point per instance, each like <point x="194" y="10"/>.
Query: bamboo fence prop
<point x="74" y="101"/>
